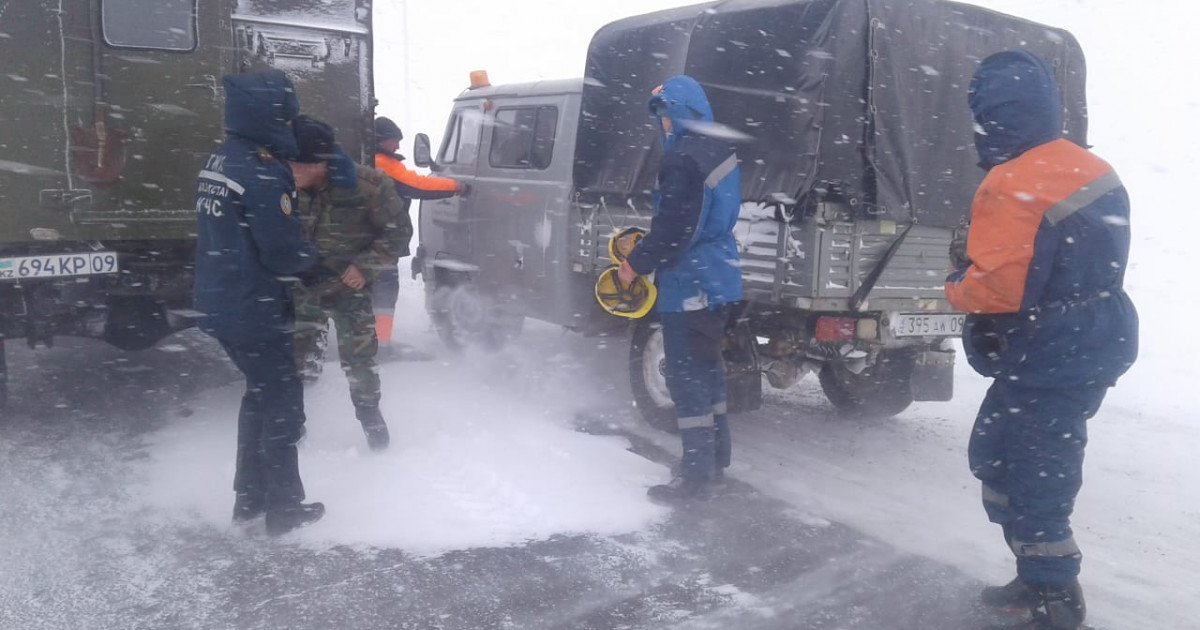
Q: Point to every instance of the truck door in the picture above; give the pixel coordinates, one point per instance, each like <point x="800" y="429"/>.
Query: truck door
<point x="111" y="109"/>
<point x="324" y="47"/>
<point x="523" y="184"/>
<point x="447" y="228"/>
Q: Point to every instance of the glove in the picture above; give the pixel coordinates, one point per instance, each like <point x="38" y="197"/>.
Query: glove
<point x="958" y="250"/>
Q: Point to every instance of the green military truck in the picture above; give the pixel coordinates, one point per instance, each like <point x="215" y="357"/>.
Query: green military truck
<point x="107" y="112"/>
<point x="850" y="121"/>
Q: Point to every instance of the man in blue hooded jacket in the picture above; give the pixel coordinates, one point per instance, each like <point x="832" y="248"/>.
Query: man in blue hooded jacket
<point x="249" y="245"/>
<point x="1048" y="319"/>
<point x="691" y="248"/>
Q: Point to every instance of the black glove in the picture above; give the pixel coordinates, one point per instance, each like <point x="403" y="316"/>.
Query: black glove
<point x="958" y="250"/>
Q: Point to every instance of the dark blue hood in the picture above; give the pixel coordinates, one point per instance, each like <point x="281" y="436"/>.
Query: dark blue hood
<point x="1015" y="102"/>
<point x="682" y="100"/>
<point x="258" y="106"/>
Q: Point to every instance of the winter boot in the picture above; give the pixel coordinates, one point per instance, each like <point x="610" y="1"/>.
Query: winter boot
<point x="284" y="519"/>
<point x="374" y="427"/>
<point x="1016" y="596"/>
<point x="695" y="478"/>
<point x="680" y="490"/>
<point x="1058" y="607"/>
<point x="247" y="508"/>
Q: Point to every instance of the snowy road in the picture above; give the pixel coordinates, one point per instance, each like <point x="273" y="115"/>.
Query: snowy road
<point x="510" y="499"/>
<point x="82" y="548"/>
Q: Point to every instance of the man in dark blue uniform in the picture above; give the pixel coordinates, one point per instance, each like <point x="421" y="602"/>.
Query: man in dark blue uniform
<point x="691" y="246"/>
<point x="1048" y="319"/>
<point x="248" y="246"/>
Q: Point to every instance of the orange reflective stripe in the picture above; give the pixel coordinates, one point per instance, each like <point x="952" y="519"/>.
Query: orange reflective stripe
<point x="397" y="171"/>
<point x="1006" y="214"/>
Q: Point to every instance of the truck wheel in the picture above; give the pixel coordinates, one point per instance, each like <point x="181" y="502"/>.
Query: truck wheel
<point x="462" y="317"/>
<point x="647" y="377"/>
<point x="457" y="315"/>
<point x="880" y="391"/>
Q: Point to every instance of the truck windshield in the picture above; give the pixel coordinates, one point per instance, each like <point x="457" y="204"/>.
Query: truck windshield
<point x="462" y="137"/>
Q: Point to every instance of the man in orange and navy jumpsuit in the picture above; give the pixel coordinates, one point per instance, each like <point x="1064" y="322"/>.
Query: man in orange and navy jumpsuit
<point x="410" y="185"/>
<point x="1048" y="319"/>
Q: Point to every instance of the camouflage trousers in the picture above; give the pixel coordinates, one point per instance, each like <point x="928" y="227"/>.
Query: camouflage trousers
<point x="351" y="313"/>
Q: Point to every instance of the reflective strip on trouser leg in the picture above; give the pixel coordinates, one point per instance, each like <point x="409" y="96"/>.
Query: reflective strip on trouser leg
<point x="695" y="422"/>
<point x="1057" y="549"/>
<point x="994" y="497"/>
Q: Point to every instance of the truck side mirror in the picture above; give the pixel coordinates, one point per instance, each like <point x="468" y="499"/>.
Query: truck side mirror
<point x="421" y="154"/>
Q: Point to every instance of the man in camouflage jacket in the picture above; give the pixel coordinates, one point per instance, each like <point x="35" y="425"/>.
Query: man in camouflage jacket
<point x="358" y="224"/>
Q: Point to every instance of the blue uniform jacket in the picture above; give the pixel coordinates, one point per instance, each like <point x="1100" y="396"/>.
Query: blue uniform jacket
<point x="1049" y="242"/>
<point x="248" y="239"/>
<point x="690" y="243"/>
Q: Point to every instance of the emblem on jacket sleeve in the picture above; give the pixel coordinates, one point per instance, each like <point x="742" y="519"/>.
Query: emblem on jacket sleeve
<point x="285" y="203"/>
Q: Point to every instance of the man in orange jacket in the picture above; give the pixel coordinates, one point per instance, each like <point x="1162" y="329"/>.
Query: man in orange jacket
<point x="1042" y="281"/>
<point x="410" y="185"/>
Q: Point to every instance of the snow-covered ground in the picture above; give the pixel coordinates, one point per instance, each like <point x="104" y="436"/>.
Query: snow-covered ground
<point x="484" y="453"/>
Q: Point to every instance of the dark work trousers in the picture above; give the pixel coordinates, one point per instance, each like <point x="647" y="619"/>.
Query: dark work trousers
<point x="270" y="422"/>
<point x="696" y="380"/>
<point x="1027" y="449"/>
<point x="385" y="288"/>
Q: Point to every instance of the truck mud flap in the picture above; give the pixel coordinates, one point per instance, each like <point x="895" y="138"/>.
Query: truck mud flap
<point x="743" y="374"/>
<point x="933" y="376"/>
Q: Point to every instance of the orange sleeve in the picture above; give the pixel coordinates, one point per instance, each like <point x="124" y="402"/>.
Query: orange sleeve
<point x="1000" y="246"/>
<point x="397" y="171"/>
<point x="1006" y="214"/>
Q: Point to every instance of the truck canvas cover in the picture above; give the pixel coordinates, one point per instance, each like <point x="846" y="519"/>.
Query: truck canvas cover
<point x="864" y="97"/>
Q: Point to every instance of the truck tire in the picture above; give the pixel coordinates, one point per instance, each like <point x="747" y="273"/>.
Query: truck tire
<point x="879" y="391"/>
<point x="463" y="317"/>
<point x="647" y="378"/>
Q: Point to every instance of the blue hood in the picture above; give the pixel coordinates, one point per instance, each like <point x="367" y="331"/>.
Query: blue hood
<point x="681" y="100"/>
<point x="1015" y="102"/>
<point x="258" y="106"/>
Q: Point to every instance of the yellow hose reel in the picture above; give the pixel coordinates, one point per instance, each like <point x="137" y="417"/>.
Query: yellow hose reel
<point x="631" y="300"/>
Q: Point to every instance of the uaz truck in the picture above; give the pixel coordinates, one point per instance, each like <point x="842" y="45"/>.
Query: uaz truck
<point x="855" y="142"/>
<point x="107" y="112"/>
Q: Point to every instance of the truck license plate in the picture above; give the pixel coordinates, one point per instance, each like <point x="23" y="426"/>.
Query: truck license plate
<point x="927" y="325"/>
<point x="58" y="265"/>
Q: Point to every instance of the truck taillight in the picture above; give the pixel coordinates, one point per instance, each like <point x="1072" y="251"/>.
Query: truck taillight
<point x="835" y="328"/>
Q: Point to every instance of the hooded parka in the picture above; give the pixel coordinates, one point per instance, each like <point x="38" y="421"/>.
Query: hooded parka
<point x="248" y="239"/>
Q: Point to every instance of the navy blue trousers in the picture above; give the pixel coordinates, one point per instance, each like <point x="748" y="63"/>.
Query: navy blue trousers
<point x="270" y="422"/>
<point x="385" y="289"/>
<point x="1027" y="448"/>
<point x="696" y="379"/>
